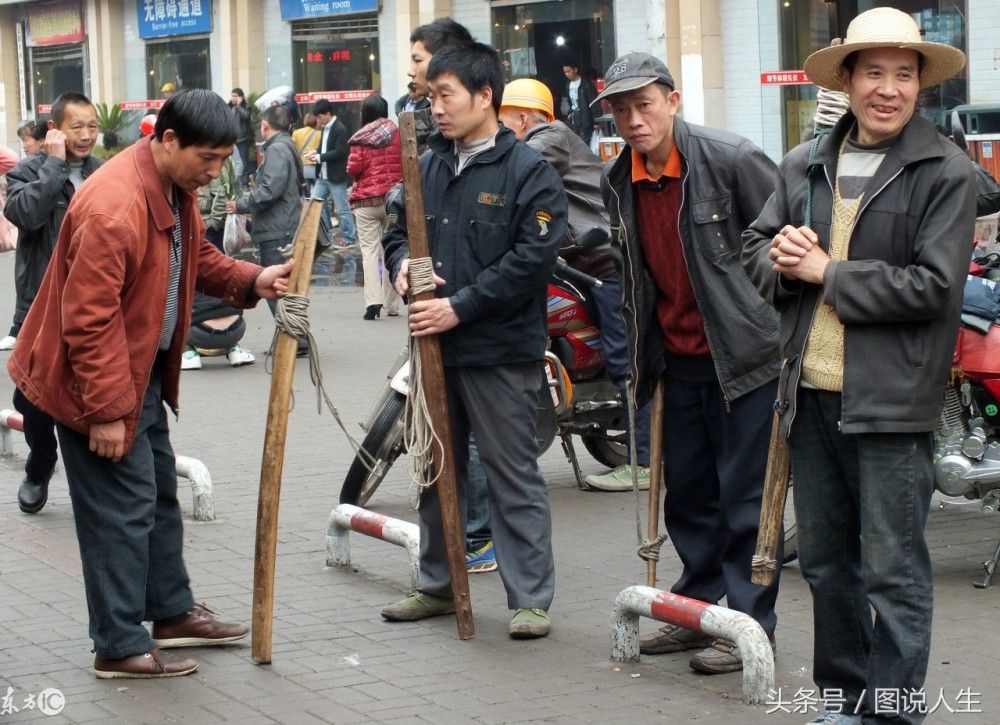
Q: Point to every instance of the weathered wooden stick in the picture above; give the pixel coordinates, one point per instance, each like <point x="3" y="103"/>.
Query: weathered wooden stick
<point x="435" y="393"/>
<point x="274" y="442"/>
<point x="772" y="510"/>
<point x="655" y="472"/>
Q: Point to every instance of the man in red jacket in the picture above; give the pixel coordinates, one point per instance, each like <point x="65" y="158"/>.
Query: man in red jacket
<point x="100" y="352"/>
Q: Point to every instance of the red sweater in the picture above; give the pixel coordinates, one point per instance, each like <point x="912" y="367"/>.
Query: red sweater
<point x="657" y="205"/>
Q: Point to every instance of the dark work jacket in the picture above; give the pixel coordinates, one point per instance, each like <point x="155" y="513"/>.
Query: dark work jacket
<point x="725" y="181"/>
<point x="899" y="292"/>
<point x="582" y="119"/>
<point x="275" y="201"/>
<point x="494" y="232"/>
<point x="38" y="192"/>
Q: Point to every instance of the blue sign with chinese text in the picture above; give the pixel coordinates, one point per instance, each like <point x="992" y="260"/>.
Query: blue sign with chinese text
<point x="161" y="18"/>
<point x="296" y="9"/>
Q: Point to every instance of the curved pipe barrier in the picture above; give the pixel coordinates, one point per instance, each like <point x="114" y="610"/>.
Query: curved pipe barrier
<point x="190" y="468"/>
<point x="346" y="518"/>
<point x="755" y="649"/>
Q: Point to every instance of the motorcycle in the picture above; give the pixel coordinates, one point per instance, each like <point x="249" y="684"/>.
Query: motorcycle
<point x="578" y="397"/>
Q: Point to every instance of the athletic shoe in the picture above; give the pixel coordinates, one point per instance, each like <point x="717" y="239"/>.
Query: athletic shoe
<point x="722" y="656"/>
<point x="238" y="356"/>
<point x="620" y="479"/>
<point x="673" y="638"/>
<point x="190" y="360"/>
<point x="836" y="718"/>
<point x="7" y="343"/>
<point x="482" y="560"/>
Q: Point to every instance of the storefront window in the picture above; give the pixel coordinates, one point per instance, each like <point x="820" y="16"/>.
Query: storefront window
<point x="341" y="67"/>
<point x="537" y="40"/>
<point x="185" y="63"/>
<point x="807" y="26"/>
<point x="55" y="70"/>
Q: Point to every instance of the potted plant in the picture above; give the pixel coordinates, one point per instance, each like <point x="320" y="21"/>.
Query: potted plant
<point x="111" y="121"/>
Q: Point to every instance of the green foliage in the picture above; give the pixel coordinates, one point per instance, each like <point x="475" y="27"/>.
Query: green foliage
<point x="111" y="121"/>
<point x="106" y="153"/>
<point x="227" y="179"/>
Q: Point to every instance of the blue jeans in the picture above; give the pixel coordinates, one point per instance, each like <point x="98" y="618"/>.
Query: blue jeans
<point x="325" y="189"/>
<point x="128" y="524"/>
<point x="477" y="504"/>
<point x="861" y="503"/>
<point x="608" y="300"/>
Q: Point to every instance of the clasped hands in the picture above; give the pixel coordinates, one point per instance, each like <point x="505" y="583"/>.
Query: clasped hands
<point x="796" y="254"/>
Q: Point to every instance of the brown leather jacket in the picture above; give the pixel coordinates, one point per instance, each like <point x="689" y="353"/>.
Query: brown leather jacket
<point x="87" y="347"/>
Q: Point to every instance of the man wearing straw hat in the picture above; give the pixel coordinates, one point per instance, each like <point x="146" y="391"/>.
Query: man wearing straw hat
<point x="863" y="249"/>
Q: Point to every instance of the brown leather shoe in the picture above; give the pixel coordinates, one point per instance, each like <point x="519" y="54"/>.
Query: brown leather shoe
<point x="199" y="629"/>
<point x="142" y="667"/>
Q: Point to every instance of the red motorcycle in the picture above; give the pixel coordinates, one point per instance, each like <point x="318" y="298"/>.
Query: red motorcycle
<point x="578" y="399"/>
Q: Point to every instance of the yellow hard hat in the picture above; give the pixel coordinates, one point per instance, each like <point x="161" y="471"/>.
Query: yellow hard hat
<point x="528" y="93"/>
<point x="168" y="87"/>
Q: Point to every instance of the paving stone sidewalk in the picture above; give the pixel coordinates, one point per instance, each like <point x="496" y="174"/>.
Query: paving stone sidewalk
<point x="334" y="659"/>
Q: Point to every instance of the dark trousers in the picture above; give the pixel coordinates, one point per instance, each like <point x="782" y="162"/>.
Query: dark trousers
<point x="861" y="505"/>
<point x="40" y="435"/>
<point x="714" y="463"/>
<point x="128" y="524"/>
<point x="499" y="404"/>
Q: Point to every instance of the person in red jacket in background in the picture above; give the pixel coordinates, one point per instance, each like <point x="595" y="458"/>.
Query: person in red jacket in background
<point x="376" y="167"/>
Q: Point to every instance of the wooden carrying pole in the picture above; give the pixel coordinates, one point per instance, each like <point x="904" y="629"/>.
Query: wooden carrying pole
<point x="273" y="458"/>
<point x="432" y="380"/>
<point x="655" y="473"/>
<point x="772" y="509"/>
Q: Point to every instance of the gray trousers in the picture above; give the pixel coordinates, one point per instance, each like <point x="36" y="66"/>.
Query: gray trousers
<point x="499" y="404"/>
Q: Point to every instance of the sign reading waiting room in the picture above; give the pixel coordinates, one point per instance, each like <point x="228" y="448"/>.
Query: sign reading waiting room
<point x="162" y="18"/>
<point x="297" y="9"/>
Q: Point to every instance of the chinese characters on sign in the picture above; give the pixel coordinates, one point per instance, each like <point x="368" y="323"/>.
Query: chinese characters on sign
<point x="784" y="78"/>
<point x="141" y="105"/>
<point x="54" y="23"/>
<point x="334" y="96"/>
<point x="159" y="18"/>
<point x="337" y="56"/>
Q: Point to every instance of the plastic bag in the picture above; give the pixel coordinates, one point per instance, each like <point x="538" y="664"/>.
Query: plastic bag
<point x="234" y="233"/>
<point x="595" y="143"/>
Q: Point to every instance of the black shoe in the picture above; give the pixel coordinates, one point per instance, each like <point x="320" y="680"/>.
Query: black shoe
<point x="32" y="495"/>
<point x="302" y="351"/>
<point x="372" y="312"/>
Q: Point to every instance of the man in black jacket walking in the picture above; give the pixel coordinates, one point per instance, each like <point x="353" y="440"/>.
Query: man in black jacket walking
<point x="38" y="192"/>
<point x="331" y="177"/>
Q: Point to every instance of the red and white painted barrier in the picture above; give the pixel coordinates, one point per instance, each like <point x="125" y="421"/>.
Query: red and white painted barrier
<point x="749" y="636"/>
<point x="346" y="518"/>
<point x="190" y="468"/>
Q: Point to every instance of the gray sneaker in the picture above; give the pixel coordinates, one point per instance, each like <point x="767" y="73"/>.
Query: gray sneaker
<point x="722" y="656"/>
<point x="673" y="638"/>
<point x="836" y="718"/>
<point x="418" y="605"/>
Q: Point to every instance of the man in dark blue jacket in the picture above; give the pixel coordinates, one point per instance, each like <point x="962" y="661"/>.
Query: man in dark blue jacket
<point x="496" y="215"/>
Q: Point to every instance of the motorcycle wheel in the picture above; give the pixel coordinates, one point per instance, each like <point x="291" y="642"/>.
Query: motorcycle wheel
<point x="383" y="443"/>
<point x="611" y="453"/>
<point x="791" y="539"/>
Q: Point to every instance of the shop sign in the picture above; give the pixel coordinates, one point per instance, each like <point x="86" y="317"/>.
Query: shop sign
<point x="45" y="108"/>
<point x="334" y="96"/>
<point x="784" y="78"/>
<point x="163" y="18"/>
<point x="141" y="105"/>
<point x="334" y="56"/>
<point x="54" y="23"/>
<point x="297" y="9"/>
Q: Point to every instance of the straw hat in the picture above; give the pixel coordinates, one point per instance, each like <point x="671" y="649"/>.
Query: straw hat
<point x="885" y="28"/>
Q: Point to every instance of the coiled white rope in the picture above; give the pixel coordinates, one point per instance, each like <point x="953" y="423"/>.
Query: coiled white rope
<point x="419" y="435"/>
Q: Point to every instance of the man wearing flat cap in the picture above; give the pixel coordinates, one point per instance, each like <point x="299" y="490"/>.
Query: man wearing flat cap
<point x="679" y="197"/>
<point x="863" y="249"/>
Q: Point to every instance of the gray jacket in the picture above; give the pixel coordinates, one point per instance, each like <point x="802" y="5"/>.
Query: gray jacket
<point x="276" y="199"/>
<point x="726" y="180"/>
<point x="580" y="172"/>
<point x="38" y="192"/>
<point x="898" y="294"/>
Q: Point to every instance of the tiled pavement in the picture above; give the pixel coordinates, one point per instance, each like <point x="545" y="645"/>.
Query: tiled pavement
<point x="334" y="659"/>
